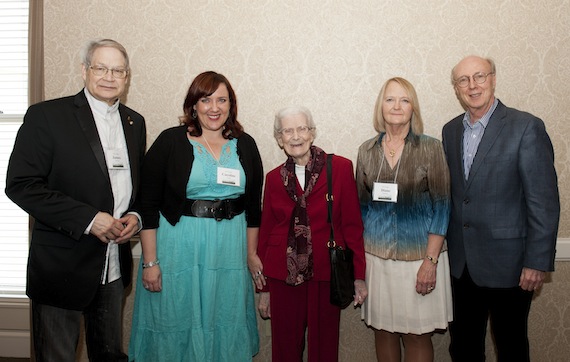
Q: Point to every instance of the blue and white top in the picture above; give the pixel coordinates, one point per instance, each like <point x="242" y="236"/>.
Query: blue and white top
<point x="399" y="230"/>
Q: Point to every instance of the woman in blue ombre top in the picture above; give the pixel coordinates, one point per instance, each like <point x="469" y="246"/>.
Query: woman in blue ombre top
<point x="404" y="190"/>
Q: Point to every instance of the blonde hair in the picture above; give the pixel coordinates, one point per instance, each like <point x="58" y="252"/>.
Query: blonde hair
<point x="416" y="122"/>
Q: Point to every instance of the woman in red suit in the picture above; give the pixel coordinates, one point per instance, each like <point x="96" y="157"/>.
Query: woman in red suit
<point x="292" y="242"/>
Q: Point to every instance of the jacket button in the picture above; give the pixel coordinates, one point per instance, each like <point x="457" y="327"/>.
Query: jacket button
<point x="466" y="226"/>
<point x="465" y="201"/>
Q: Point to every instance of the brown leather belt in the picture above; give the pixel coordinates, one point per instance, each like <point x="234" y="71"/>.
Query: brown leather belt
<point x="215" y="209"/>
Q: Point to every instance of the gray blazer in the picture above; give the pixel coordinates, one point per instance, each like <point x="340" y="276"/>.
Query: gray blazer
<point x="505" y="216"/>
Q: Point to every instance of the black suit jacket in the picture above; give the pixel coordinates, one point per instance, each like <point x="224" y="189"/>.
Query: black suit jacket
<point x="505" y="216"/>
<point x="57" y="173"/>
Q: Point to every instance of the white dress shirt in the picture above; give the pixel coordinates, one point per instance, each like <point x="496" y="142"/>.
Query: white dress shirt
<point x="112" y="137"/>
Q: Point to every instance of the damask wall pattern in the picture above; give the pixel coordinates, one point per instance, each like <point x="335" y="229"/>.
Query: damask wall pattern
<point x="333" y="56"/>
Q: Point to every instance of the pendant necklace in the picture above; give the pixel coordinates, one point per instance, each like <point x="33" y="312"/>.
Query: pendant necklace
<point x="211" y="150"/>
<point x="391" y="151"/>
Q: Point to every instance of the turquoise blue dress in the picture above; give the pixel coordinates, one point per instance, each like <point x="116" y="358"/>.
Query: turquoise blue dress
<point x="205" y="311"/>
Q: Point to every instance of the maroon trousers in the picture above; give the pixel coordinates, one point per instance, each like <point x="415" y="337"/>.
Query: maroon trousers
<point x="295" y="309"/>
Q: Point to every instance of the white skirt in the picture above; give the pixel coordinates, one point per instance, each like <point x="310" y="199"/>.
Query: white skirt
<point x="394" y="305"/>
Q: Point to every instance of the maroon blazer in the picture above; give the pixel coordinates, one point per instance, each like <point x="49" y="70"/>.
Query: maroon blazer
<point x="276" y="219"/>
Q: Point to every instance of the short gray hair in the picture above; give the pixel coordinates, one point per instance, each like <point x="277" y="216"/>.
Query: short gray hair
<point x="91" y="46"/>
<point x="289" y="111"/>
<point x="488" y="60"/>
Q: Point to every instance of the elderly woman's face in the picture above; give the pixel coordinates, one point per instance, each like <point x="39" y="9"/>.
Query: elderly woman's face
<point x="296" y="138"/>
<point x="396" y="106"/>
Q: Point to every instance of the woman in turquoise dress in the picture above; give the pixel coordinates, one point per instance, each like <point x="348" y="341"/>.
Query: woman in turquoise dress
<point x="200" y="203"/>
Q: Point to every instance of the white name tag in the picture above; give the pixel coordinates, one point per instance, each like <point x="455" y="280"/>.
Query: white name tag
<point x="228" y="176"/>
<point x="386" y="192"/>
<point x="119" y="159"/>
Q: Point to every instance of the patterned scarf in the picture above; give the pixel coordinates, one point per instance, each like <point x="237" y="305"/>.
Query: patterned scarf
<point x="299" y="243"/>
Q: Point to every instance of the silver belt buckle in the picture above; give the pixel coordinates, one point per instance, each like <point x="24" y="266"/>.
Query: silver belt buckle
<point x="200" y="208"/>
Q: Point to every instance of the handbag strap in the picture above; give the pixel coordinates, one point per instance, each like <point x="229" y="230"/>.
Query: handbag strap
<point x="329" y="197"/>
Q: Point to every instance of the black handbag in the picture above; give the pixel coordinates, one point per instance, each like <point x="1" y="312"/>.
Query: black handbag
<point x="342" y="268"/>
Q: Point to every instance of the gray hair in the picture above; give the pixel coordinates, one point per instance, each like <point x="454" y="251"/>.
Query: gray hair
<point x="488" y="60"/>
<point x="91" y="46"/>
<point x="289" y="111"/>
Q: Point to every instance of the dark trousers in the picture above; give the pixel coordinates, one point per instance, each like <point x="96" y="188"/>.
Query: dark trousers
<point x="295" y="309"/>
<point x="507" y="309"/>
<point x="56" y="330"/>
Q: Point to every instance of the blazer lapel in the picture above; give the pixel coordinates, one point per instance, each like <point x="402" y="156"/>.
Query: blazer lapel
<point x="132" y="147"/>
<point x="455" y="149"/>
<point x="86" y="121"/>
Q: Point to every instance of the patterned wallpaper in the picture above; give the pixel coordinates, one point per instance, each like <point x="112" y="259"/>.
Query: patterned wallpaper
<point x="330" y="55"/>
<point x="333" y="56"/>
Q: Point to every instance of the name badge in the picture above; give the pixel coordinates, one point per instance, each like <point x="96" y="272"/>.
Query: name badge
<point x="228" y="176"/>
<point x="119" y="159"/>
<point x="386" y="192"/>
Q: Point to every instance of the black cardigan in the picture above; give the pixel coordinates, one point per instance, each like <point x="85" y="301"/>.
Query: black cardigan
<point x="166" y="171"/>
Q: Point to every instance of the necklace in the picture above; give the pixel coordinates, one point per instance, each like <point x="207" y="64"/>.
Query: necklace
<point x="392" y="151"/>
<point x="210" y="148"/>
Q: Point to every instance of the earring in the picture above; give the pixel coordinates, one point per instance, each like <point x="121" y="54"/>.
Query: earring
<point x="194" y="114"/>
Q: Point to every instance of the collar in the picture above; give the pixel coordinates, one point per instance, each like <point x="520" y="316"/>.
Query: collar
<point x="410" y="138"/>
<point x="99" y="107"/>
<point x="483" y="120"/>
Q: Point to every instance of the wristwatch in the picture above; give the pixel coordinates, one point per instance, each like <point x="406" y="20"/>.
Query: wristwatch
<point x="432" y="259"/>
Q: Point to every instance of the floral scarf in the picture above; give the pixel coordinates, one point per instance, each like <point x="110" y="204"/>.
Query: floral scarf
<point x="299" y="241"/>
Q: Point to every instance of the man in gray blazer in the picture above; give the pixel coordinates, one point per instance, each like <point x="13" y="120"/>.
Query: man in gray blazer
<point x="75" y="168"/>
<point x="504" y="218"/>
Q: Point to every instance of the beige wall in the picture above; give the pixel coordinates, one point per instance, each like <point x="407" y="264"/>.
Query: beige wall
<point x="329" y="55"/>
<point x="333" y="57"/>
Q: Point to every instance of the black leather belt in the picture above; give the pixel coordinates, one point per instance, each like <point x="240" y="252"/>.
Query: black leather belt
<point x="215" y="209"/>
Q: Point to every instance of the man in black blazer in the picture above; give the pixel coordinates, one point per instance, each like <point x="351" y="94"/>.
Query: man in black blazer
<point x="504" y="218"/>
<point x="75" y="169"/>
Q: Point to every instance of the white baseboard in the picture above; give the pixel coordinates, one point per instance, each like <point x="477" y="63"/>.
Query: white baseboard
<point x="15" y="327"/>
<point x="15" y="344"/>
<point x="563" y="249"/>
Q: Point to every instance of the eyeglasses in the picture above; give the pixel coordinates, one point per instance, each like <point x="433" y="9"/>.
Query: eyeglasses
<point x="102" y="71"/>
<point x="301" y="131"/>
<point x="479" y="78"/>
